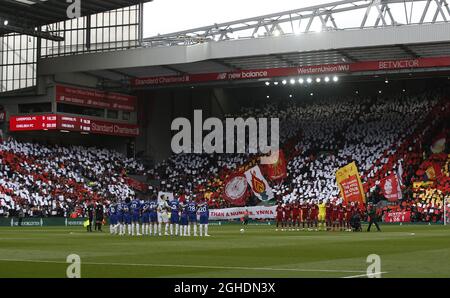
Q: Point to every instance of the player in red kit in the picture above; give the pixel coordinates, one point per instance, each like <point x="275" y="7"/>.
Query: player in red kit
<point x="341" y="216"/>
<point x="279" y="211"/>
<point x="287" y="216"/>
<point x="328" y="215"/>
<point x="305" y="214"/>
<point x="335" y="215"/>
<point x="314" y="215"/>
<point x="349" y="215"/>
<point x="296" y="215"/>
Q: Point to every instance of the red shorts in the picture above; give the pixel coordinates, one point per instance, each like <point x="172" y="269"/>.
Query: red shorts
<point x="279" y="218"/>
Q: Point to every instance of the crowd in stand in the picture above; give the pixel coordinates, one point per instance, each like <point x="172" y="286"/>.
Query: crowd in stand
<point x="54" y="180"/>
<point x="319" y="138"/>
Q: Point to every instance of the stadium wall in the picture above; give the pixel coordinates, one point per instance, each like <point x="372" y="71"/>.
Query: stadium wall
<point x="77" y="79"/>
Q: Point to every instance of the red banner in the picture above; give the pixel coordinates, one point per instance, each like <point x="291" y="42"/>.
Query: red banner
<point x="431" y="169"/>
<point x="390" y="188"/>
<point x="235" y="190"/>
<point x="275" y="166"/>
<point x="71" y="123"/>
<point x="403" y="216"/>
<point x="95" y="98"/>
<point x="351" y="190"/>
<point x="294" y="71"/>
<point x="137" y="185"/>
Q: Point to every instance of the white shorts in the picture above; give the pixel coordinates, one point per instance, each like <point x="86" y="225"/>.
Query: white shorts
<point x="163" y="217"/>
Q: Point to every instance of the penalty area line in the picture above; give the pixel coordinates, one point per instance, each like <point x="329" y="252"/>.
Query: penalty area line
<point x="191" y="266"/>
<point x="364" y="275"/>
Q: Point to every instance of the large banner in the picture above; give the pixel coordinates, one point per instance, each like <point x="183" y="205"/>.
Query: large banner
<point x="256" y="212"/>
<point x="349" y="184"/>
<point x="433" y="170"/>
<point x="235" y="190"/>
<point x="390" y="188"/>
<point x="403" y="216"/>
<point x="259" y="184"/>
<point x="95" y="98"/>
<point x="275" y="165"/>
<point x="439" y="144"/>
<point x="255" y="74"/>
<point x="422" y="184"/>
<point x="137" y="185"/>
<point x="71" y="123"/>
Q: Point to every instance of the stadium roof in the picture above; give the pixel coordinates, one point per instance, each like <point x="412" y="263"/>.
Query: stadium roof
<point x="23" y="15"/>
<point x="330" y="47"/>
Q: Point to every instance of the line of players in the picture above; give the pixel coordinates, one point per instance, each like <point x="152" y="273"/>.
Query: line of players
<point x="315" y="215"/>
<point x="178" y="218"/>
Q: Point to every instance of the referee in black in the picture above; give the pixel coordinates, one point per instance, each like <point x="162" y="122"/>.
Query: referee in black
<point x="373" y="216"/>
<point x="99" y="217"/>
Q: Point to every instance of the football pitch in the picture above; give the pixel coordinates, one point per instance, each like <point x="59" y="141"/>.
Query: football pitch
<point x="405" y="251"/>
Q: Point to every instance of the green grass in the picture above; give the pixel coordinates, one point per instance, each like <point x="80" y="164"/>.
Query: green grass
<point x="259" y="252"/>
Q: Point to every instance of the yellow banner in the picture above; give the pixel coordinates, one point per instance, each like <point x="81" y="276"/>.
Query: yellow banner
<point x="431" y="173"/>
<point x="423" y="184"/>
<point x="349" y="184"/>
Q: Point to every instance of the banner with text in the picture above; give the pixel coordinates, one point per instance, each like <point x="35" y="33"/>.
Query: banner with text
<point x="349" y="184"/>
<point x="403" y="216"/>
<point x="256" y="212"/>
<point x="95" y="98"/>
<point x="255" y="74"/>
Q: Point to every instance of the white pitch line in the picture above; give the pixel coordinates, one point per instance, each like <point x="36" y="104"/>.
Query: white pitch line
<point x="364" y="275"/>
<point x="190" y="266"/>
<point x="12" y="238"/>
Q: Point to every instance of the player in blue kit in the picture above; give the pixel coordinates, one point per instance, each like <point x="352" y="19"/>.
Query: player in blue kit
<point x="135" y="209"/>
<point x="174" y="205"/>
<point x="184" y="220"/>
<point x="192" y="215"/>
<point x="145" y="217"/>
<point x="204" y="217"/>
<point x="120" y="218"/>
<point x="126" y="218"/>
<point x="153" y="213"/>
<point x="113" y="220"/>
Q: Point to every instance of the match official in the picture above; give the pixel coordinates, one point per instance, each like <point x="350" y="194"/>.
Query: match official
<point x="373" y="216"/>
